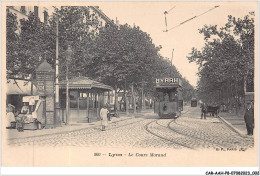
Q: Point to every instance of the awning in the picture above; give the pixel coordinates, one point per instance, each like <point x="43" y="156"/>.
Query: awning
<point x="19" y="87"/>
<point x="84" y="83"/>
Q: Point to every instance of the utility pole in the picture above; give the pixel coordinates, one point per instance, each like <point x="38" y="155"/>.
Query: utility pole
<point x="165" y="13"/>
<point x="67" y="95"/>
<point x="171" y="62"/>
<point x="57" y="104"/>
<point x="68" y="57"/>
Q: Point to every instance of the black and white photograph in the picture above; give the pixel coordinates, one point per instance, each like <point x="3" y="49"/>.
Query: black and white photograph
<point x="152" y="83"/>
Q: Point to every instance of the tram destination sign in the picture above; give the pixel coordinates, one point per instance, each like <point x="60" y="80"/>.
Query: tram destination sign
<point x="167" y="81"/>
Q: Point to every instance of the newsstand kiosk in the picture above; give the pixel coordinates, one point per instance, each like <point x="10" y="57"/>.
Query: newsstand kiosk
<point x="45" y="77"/>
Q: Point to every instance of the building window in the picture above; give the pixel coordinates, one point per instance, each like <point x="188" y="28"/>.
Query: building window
<point x="46" y="16"/>
<point x="36" y="11"/>
<point x="23" y="10"/>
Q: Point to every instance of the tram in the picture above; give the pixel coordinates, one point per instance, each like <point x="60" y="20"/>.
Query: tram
<point x="194" y="102"/>
<point x="168" y="98"/>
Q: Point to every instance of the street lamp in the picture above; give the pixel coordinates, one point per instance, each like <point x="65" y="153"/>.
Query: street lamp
<point x="68" y="53"/>
<point x="57" y="98"/>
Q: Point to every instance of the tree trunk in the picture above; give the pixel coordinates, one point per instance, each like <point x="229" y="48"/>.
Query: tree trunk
<point x="143" y="100"/>
<point x="125" y="96"/>
<point x="134" y="101"/>
<point x="127" y="106"/>
<point x="116" y="98"/>
<point x="31" y="85"/>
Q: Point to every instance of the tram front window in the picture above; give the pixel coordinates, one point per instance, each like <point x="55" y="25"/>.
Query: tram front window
<point x="167" y="95"/>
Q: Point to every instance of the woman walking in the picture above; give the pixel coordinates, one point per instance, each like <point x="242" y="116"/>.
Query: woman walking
<point x="103" y="116"/>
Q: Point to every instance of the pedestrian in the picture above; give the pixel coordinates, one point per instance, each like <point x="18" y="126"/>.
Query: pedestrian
<point x="103" y="116"/>
<point x="249" y="119"/>
<point x="25" y="109"/>
<point x="224" y="108"/>
<point x="203" y="110"/>
<point x="10" y="118"/>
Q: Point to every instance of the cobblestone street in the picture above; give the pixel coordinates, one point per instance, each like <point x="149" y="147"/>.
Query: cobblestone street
<point x="147" y="131"/>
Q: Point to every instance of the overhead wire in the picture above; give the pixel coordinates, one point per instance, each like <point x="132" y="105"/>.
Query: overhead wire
<point x="192" y="18"/>
<point x="170" y="9"/>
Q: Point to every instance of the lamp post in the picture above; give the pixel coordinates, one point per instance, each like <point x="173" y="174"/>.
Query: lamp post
<point x="68" y="57"/>
<point x="57" y="98"/>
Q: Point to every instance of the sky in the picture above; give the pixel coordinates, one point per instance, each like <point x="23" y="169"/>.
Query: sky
<point x="149" y="16"/>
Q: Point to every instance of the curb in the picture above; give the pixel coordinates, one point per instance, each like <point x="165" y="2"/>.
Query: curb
<point x="233" y="128"/>
<point x="68" y="131"/>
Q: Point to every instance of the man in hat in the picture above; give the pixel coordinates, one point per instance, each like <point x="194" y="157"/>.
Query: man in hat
<point x="249" y="119"/>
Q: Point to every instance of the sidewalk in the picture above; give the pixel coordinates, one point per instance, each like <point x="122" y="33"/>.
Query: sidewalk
<point x="235" y="122"/>
<point x="74" y="126"/>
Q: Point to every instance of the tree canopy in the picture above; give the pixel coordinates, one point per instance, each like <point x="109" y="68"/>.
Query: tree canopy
<point x="226" y="60"/>
<point x="115" y="55"/>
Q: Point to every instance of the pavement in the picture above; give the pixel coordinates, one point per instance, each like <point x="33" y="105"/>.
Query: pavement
<point x="145" y="130"/>
<point x="235" y="122"/>
<point x="13" y="134"/>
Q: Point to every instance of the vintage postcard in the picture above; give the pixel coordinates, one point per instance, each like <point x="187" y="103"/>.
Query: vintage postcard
<point x="129" y="83"/>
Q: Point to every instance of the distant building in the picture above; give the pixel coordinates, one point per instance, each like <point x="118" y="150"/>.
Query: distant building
<point x="44" y="13"/>
<point x="23" y="12"/>
<point x="102" y="18"/>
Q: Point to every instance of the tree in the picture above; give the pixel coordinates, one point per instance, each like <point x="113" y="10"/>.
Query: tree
<point x="78" y="28"/>
<point x="36" y="42"/>
<point x="27" y="45"/>
<point x="188" y="90"/>
<point x="225" y="61"/>
<point x="12" y="64"/>
<point x="123" y="55"/>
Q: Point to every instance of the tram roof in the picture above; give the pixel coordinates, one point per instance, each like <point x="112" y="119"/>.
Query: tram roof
<point x="84" y="83"/>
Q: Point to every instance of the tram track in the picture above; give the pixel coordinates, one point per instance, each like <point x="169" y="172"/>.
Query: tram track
<point x="189" y="136"/>
<point x="146" y="127"/>
<point x="225" y="143"/>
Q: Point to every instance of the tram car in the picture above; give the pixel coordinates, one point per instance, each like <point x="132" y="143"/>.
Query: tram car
<point x="194" y="103"/>
<point x="168" y="98"/>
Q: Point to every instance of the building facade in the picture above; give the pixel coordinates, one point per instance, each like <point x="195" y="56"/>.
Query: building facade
<point x="23" y="12"/>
